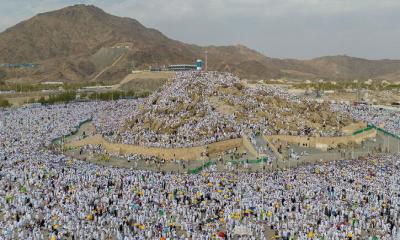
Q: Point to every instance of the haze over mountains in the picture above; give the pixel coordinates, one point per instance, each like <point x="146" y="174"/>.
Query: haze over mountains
<point x="82" y="42"/>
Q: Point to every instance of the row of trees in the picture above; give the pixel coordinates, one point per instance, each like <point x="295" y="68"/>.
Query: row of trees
<point x="58" y="98"/>
<point x="347" y="85"/>
<point x="108" y="96"/>
<point x="3" y="76"/>
<point x="3" y="102"/>
<point x="73" y="96"/>
<point x="27" y="87"/>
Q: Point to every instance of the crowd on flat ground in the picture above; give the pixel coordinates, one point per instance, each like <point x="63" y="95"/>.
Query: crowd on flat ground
<point x="100" y="154"/>
<point x="46" y="195"/>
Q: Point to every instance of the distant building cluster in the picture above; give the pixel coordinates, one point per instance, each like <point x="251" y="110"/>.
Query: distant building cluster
<point x="180" y="67"/>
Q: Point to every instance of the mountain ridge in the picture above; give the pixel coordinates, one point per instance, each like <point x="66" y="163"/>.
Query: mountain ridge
<point x="64" y="42"/>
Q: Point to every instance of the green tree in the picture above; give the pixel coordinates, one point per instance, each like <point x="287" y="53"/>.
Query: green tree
<point x="3" y="74"/>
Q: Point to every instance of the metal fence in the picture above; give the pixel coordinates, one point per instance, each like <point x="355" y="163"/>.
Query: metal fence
<point x="211" y="162"/>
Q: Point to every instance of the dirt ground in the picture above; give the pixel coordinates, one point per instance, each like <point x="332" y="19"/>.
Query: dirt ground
<point x="149" y="81"/>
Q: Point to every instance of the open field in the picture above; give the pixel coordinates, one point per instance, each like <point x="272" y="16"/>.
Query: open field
<point x="145" y="81"/>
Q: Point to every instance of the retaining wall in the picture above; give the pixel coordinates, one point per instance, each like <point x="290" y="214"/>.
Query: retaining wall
<point x="222" y="146"/>
<point x="325" y="142"/>
<point x="190" y="153"/>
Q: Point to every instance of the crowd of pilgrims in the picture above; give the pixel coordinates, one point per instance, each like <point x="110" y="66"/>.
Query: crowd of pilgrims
<point x="190" y="110"/>
<point x="99" y="152"/>
<point x="389" y="118"/>
<point x="47" y="195"/>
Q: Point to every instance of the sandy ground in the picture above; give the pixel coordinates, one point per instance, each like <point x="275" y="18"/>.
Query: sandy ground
<point x="143" y="76"/>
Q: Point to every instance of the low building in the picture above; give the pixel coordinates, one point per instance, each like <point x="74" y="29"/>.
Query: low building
<point x="155" y="69"/>
<point x="95" y="89"/>
<point x="7" y="92"/>
<point x="52" y="83"/>
<point x="182" y="67"/>
<point x="19" y="65"/>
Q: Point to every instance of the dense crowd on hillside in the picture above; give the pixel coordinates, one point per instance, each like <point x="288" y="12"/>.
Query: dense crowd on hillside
<point x="378" y="116"/>
<point x="196" y="108"/>
<point x="47" y="195"/>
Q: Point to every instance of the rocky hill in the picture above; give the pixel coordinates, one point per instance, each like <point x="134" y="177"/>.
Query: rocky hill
<point x="197" y="108"/>
<point x="80" y="43"/>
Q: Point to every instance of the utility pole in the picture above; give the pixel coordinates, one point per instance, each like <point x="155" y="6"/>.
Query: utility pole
<point x="206" y="60"/>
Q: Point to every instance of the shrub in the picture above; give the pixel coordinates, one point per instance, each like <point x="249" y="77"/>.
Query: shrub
<point x="4" y="103"/>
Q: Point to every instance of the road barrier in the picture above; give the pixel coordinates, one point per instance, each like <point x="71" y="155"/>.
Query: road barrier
<point x="255" y="161"/>
<point x="362" y="130"/>
<point x="384" y="131"/>
<point x="201" y="168"/>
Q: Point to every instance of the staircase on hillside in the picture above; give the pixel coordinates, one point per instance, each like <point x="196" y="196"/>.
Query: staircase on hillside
<point x="262" y="146"/>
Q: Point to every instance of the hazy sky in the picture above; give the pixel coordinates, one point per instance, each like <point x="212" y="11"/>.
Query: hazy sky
<point x="277" y="28"/>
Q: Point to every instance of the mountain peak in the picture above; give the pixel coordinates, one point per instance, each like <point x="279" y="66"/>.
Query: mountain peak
<point x="74" y="30"/>
<point x="82" y="7"/>
<point x="75" y="10"/>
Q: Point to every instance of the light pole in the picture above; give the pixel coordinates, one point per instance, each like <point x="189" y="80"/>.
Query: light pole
<point x="206" y="59"/>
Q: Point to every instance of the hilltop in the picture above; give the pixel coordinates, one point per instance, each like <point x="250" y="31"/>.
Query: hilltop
<point x="196" y="108"/>
<point x="83" y="42"/>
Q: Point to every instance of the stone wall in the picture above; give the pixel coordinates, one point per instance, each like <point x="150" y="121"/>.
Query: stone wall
<point x="223" y="146"/>
<point x="324" y="141"/>
<point x="191" y="153"/>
